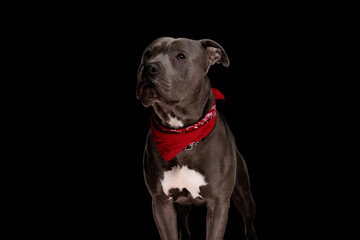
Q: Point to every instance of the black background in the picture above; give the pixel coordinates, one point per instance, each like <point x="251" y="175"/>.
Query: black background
<point x="97" y="128"/>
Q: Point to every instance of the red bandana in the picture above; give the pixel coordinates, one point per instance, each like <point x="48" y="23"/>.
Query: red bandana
<point x="170" y="142"/>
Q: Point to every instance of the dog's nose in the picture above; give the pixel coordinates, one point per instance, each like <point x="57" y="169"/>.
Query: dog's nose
<point x="152" y="68"/>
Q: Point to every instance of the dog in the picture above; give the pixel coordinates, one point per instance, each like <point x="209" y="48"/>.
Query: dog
<point x="190" y="157"/>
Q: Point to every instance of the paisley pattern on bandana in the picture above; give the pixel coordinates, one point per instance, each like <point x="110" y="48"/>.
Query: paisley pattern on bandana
<point x="210" y="115"/>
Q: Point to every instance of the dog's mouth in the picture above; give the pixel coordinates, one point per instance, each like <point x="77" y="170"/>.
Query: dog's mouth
<point x="151" y="90"/>
<point x="151" y="87"/>
<point x="148" y="90"/>
<point x="148" y="93"/>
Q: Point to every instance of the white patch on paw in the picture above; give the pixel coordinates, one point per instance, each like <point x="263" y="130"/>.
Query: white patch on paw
<point x="174" y="122"/>
<point x="183" y="177"/>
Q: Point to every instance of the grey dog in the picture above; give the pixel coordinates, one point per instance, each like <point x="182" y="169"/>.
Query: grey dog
<point x="172" y="78"/>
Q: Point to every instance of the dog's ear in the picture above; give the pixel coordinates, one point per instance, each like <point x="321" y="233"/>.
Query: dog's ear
<point x="215" y="52"/>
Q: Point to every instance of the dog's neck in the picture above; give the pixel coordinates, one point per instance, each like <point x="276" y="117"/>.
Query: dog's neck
<point x="186" y="112"/>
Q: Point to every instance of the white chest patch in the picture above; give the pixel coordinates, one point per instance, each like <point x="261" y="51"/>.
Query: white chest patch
<point x="174" y="122"/>
<point x="183" y="177"/>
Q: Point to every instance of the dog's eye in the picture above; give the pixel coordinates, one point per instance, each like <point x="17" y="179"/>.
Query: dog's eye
<point x="147" y="55"/>
<point x="180" y="56"/>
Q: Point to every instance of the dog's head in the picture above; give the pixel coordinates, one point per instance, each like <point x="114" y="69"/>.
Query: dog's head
<point x="174" y="69"/>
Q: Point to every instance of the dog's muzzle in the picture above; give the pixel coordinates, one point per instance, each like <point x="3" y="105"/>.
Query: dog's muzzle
<point x="150" y="70"/>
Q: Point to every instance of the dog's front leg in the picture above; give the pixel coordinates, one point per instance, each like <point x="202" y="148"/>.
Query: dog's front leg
<point x="217" y="215"/>
<point x="165" y="218"/>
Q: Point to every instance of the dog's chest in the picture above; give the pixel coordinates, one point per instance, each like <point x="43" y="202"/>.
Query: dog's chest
<point x="180" y="178"/>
